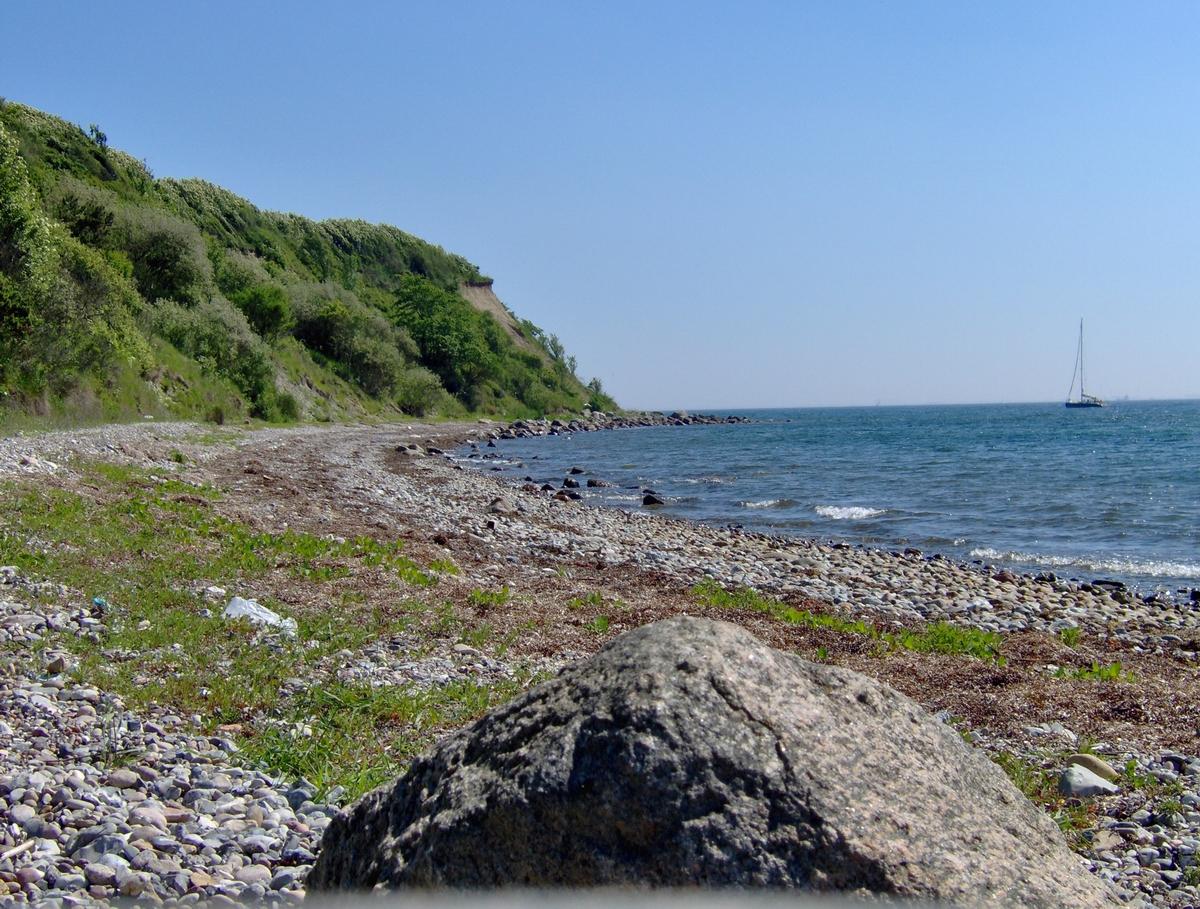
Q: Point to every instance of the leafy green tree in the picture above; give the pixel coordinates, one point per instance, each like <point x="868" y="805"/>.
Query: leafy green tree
<point x="450" y="334"/>
<point x="598" y="399"/>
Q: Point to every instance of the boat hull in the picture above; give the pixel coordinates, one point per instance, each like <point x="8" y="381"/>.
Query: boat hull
<point x="1085" y="404"/>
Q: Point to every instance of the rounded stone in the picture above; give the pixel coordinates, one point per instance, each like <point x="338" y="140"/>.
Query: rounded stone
<point x="254" y="874"/>
<point x="122" y="778"/>
<point x="100" y="875"/>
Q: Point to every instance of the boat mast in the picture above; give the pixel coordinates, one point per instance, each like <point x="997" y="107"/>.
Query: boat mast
<point x="1075" y="368"/>
<point x="1082" y="393"/>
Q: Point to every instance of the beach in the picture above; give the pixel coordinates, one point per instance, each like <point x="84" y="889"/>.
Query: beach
<point x="1029" y="668"/>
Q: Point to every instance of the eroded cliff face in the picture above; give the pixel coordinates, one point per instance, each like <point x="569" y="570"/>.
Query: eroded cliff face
<point x="483" y="298"/>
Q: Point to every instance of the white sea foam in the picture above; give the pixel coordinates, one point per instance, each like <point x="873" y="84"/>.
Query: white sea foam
<point x="768" y="503"/>
<point x="848" y="512"/>
<point x="713" y="480"/>
<point x="1152" y="568"/>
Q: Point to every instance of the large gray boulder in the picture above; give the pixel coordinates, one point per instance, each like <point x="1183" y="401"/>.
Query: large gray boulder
<point x="690" y="753"/>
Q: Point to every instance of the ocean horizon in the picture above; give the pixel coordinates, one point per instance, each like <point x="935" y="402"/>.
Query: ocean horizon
<point x="1111" y="493"/>
<point x="790" y="407"/>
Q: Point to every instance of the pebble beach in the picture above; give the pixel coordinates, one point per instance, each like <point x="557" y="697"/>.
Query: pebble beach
<point x="100" y="802"/>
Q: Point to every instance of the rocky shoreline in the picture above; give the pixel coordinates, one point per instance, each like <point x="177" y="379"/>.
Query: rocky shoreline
<point x="59" y="783"/>
<point x="919" y="585"/>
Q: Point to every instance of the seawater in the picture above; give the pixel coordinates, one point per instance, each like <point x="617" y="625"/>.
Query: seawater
<point x="1108" y="493"/>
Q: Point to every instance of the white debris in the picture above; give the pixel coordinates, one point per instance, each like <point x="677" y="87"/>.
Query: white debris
<point x="252" y="610"/>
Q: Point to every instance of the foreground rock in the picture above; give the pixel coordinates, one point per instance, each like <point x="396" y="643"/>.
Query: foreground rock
<point x="689" y="753"/>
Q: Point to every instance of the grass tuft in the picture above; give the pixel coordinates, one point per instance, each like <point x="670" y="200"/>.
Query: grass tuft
<point x="598" y="625"/>
<point x="1069" y="636"/>
<point x="1097" y="672"/>
<point x="937" y="637"/>
<point x="1040" y="786"/>
<point x="486" y="598"/>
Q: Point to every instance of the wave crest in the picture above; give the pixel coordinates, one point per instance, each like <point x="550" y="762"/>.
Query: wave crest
<point x="848" y="512"/>
<point x="768" y="503"/>
<point x="1099" y="564"/>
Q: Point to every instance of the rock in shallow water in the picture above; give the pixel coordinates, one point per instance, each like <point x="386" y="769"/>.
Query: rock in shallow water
<point x="689" y="753"/>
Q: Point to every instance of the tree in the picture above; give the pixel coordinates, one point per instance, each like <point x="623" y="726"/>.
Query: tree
<point x="452" y="336"/>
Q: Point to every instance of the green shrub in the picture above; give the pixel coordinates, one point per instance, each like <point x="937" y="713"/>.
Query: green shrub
<point x="418" y="391"/>
<point x="598" y="399"/>
<point x="364" y="346"/>
<point x="94" y="312"/>
<point x="288" y="406"/>
<point x="220" y="338"/>
<point x="86" y="211"/>
<point x="168" y="254"/>
<point x="267" y="308"/>
<point x="28" y="253"/>
<point x="64" y="308"/>
<point x="235" y="271"/>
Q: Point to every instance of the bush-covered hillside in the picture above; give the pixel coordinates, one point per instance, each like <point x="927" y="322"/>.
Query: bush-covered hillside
<point x="123" y="294"/>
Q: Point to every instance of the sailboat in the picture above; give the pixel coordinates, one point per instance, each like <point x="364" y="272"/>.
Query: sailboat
<point x="1084" y="399"/>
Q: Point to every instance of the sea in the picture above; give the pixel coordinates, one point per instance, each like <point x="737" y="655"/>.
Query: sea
<point x="1111" y="493"/>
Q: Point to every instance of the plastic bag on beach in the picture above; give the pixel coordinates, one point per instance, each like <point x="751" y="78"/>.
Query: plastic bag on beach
<point x="255" y="612"/>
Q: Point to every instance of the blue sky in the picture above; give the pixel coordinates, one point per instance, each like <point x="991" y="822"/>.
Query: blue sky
<point x="750" y="204"/>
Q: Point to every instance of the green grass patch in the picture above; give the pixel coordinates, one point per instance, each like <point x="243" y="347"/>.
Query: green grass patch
<point x="593" y="599"/>
<point x="146" y="544"/>
<point x="1069" y="636"/>
<point x="360" y="737"/>
<point x="444" y="566"/>
<point x="937" y="637"/>
<point x="505" y="643"/>
<point x="476" y="636"/>
<point x="486" y="598"/>
<point x="1097" y="672"/>
<point x="1144" y="781"/>
<point x="598" y="625"/>
<point x="943" y="637"/>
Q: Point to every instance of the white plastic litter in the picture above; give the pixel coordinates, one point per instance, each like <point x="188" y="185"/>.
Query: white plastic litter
<point x="255" y="612"/>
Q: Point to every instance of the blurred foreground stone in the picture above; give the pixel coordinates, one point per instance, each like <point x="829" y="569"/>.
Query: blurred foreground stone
<point x="688" y="753"/>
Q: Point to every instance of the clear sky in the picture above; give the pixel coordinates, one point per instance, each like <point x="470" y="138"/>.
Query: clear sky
<point x="713" y="205"/>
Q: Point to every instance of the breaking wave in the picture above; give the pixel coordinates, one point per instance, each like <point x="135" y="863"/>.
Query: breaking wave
<point x="1151" y="568"/>
<point x="848" y="512"/>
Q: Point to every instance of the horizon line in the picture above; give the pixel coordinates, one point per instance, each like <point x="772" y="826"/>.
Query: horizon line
<point x="1057" y="403"/>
